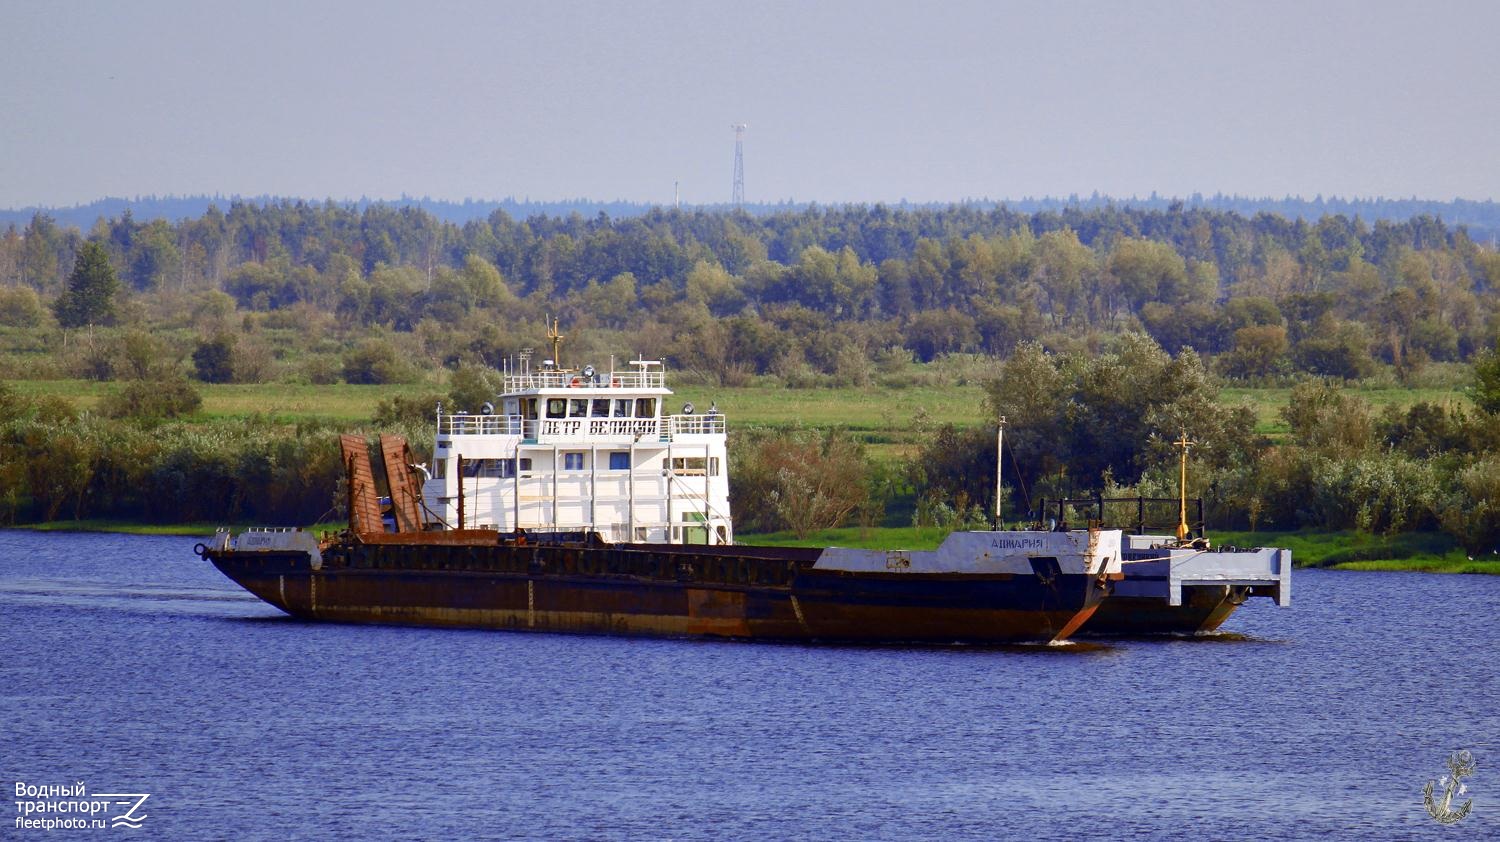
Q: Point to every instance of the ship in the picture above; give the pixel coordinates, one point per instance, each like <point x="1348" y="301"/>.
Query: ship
<point x="1175" y="583"/>
<point x="580" y="503"/>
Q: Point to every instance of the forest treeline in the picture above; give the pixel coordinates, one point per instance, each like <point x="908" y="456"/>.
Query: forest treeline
<point x="814" y="295"/>
<point x="1078" y="425"/>
<point x="1480" y="217"/>
<point x="1102" y="334"/>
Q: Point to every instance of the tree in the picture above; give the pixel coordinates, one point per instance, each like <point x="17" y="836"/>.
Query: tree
<point x="1258" y="350"/>
<point x="472" y="386"/>
<point x="376" y="361"/>
<point x="169" y="397"/>
<point x="1487" y="380"/>
<point x="800" y="480"/>
<point x="20" y="307"/>
<point x="213" y="359"/>
<point x="90" y="296"/>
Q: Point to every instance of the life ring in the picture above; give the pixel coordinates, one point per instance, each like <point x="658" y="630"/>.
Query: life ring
<point x="575" y="382"/>
<point x="615" y="383"/>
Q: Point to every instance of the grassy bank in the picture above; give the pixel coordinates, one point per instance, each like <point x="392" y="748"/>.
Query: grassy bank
<point x="1413" y="552"/>
<point x="872" y="538"/>
<point x="121" y="526"/>
<point x="888" y="419"/>
<point x="126" y="527"/>
<point x="1425" y="552"/>
<point x="1418" y="552"/>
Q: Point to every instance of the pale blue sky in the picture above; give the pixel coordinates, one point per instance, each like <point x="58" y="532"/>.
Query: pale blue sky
<point x="846" y="101"/>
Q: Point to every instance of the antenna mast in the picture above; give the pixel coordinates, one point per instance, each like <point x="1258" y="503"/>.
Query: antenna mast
<point x="737" y="198"/>
<point x="557" y="338"/>
<point x="999" y="460"/>
<point x="1182" y="524"/>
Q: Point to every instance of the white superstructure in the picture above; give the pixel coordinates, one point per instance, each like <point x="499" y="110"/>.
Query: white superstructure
<point x="585" y="450"/>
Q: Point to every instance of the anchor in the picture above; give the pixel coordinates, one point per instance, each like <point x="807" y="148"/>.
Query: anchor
<point x="1460" y="765"/>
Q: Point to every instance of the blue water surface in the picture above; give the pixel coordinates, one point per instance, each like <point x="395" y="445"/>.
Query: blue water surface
<point x="131" y="665"/>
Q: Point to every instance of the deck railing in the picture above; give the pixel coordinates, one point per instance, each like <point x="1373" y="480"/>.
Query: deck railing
<point x="575" y="379"/>
<point x="665" y="429"/>
<point x="482" y="425"/>
<point x="695" y="425"/>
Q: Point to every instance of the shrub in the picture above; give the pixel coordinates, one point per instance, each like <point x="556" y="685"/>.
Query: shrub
<point x="471" y="386"/>
<point x="21" y="307"/>
<point x="213" y="359"/>
<point x="407" y="410"/>
<point x="376" y="361"/>
<point x="802" y="481"/>
<point x="152" y="399"/>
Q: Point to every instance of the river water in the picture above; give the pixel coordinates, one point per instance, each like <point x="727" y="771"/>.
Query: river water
<point x="132" y="666"/>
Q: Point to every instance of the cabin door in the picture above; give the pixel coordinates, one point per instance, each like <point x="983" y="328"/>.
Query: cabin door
<point x="695" y="534"/>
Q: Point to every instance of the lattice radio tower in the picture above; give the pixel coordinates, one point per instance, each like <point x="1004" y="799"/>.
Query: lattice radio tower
<point x="738" y="196"/>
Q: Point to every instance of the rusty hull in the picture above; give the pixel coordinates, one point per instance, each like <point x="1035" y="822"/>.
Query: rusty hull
<point x="1204" y="608"/>
<point x="474" y="579"/>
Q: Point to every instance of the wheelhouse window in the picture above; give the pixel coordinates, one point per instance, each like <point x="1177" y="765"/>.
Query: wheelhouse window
<point x="688" y="466"/>
<point x="622" y="408"/>
<point x="578" y="408"/>
<point x="528" y="409"/>
<point x="557" y="408"/>
<point x="600" y="408"/>
<point x="484" y="467"/>
<point x="645" y="407"/>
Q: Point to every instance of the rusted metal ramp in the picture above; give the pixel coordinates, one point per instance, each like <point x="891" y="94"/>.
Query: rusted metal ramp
<point x="406" y="502"/>
<point x="364" y="498"/>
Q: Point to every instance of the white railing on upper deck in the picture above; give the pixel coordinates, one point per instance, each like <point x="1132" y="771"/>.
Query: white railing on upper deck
<point x="514" y="425"/>
<point x="481" y="425"/>
<point x="575" y="379"/>
<point x="695" y="425"/>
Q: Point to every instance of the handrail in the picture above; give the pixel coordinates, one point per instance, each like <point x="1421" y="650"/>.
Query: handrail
<point x="480" y="425"/>
<point x="575" y="379"/>
<point x="696" y="425"/>
<point x="664" y="429"/>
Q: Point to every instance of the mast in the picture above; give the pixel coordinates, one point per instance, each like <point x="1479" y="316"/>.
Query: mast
<point x="1182" y="524"/>
<point x="999" y="460"/>
<point x="557" y="338"/>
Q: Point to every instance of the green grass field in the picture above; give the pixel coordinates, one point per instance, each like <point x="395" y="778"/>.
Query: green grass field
<point x="1428" y="552"/>
<point x="282" y="401"/>
<point x="1420" y="551"/>
<point x="126" y="527"/>
<point x="886" y="419"/>
<point x="1269" y="402"/>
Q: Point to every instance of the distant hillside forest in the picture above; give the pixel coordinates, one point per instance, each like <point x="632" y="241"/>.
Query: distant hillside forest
<point x="812" y="295"/>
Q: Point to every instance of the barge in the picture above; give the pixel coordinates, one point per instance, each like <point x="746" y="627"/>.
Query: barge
<point x="583" y="506"/>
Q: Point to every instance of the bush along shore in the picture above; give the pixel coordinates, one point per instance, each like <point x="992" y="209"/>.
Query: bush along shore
<point x="1414" y="486"/>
